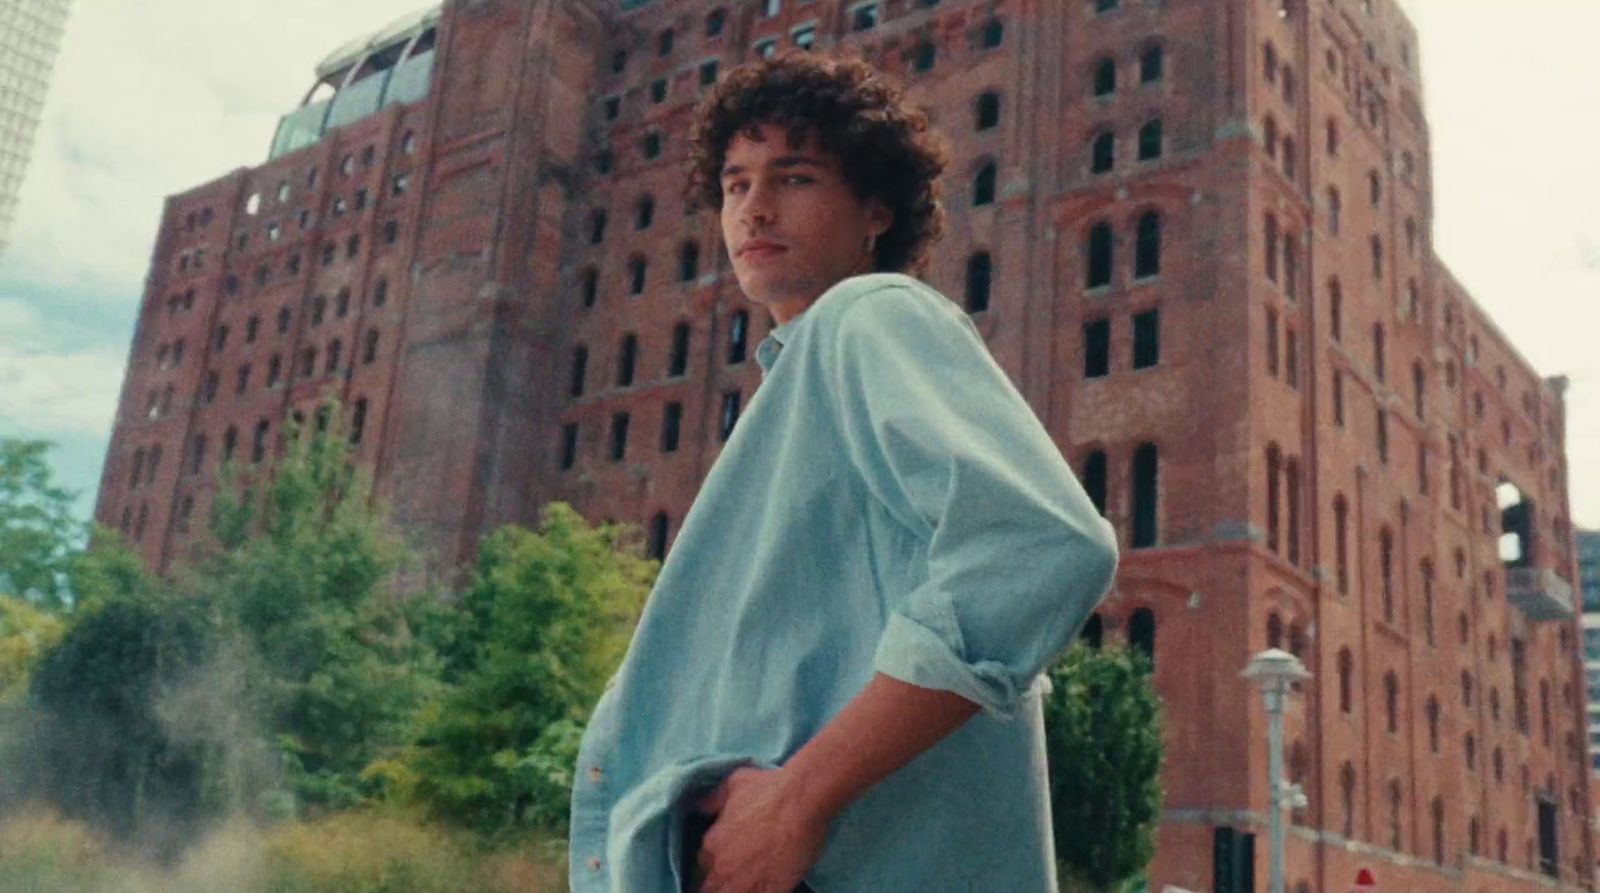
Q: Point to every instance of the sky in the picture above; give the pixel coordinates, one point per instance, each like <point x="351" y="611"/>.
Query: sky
<point x="152" y="97"/>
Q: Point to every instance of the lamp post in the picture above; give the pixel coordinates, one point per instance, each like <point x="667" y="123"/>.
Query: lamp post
<point x="1274" y="671"/>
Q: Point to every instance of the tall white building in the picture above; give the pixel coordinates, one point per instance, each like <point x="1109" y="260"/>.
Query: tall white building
<point x="1589" y="582"/>
<point x="30" y="38"/>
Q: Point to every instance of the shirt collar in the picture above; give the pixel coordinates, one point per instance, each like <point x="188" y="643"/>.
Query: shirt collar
<point x="767" y="350"/>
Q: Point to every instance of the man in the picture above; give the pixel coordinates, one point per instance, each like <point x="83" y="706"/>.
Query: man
<point x="837" y="677"/>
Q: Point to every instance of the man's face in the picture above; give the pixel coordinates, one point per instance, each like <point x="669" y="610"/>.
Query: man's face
<point x="791" y="223"/>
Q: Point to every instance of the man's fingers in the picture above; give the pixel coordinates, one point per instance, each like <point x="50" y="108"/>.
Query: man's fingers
<point x="712" y="803"/>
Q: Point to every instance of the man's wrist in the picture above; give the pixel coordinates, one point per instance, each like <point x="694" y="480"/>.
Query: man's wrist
<point x="809" y="789"/>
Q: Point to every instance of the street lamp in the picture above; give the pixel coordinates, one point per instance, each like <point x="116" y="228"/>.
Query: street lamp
<point x="1274" y="671"/>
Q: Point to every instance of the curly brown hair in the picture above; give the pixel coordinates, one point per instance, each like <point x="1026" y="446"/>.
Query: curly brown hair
<point x="885" y="148"/>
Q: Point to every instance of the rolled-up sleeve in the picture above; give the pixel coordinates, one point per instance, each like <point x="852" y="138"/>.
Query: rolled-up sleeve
<point x="1018" y="558"/>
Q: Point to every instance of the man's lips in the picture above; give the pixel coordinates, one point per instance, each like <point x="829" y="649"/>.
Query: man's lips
<point x="761" y="249"/>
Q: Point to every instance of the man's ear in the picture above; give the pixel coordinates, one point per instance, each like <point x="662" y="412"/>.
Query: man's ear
<point x="880" y="219"/>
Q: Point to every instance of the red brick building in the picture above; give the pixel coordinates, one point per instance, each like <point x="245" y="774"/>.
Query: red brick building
<point x="1196" y="234"/>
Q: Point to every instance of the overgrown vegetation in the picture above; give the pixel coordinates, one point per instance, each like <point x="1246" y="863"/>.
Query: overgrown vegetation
<point x="277" y="717"/>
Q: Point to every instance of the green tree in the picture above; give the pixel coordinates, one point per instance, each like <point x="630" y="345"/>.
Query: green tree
<point x="545" y="621"/>
<point x="26" y="632"/>
<point x="303" y="581"/>
<point x="101" y="751"/>
<point x="1103" y="736"/>
<point x="37" y="533"/>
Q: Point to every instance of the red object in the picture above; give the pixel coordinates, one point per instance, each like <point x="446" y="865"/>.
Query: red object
<point x="1365" y="880"/>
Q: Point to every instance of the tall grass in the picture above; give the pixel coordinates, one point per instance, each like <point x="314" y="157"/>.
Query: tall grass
<point x="351" y="852"/>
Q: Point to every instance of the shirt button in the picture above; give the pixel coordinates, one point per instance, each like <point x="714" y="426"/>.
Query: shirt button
<point x="594" y="863"/>
<point x="595" y="774"/>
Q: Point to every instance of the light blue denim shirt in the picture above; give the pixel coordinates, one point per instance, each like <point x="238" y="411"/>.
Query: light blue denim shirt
<point x="888" y="503"/>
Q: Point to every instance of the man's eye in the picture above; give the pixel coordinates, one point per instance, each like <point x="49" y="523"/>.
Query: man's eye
<point x="802" y="178"/>
<point x="735" y="187"/>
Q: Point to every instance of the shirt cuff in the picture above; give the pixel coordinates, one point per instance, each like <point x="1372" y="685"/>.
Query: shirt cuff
<point x="915" y="654"/>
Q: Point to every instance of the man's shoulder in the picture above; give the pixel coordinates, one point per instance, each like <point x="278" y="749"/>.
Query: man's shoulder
<point x="871" y="294"/>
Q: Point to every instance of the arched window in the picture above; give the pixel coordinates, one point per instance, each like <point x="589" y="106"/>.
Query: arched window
<point x="1093" y="633"/>
<point x="1374" y="188"/>
<point x="1391" y="700"/>
<point x="1151" y="65"/>
<point x="714" y="22"/>
<point x="983" y="185"/>
<point x="1270" y="246"/>
<point x="679" y="362"/>
<point x="646" y="213"/>
<point x="1147" y="246"/>
<point x="979" y="277"/>
<point x="1291" y="498"/>
<point x="1335" y="206"/>
<point x="1394" y="815"/>
<point x="1427" y="599"/>
<point x="927" y="53"/>
<point x="658" y="536"/>
<point x="597" y="227"/>
<point x="993" y="34"/>
<point x="1274" y="630"/>
<point x="1288" y="158"/>
<point x="1100" y="253"/>
<point x="1144" y="495"/>
<point x="1142" y="632"/>
<point x="580" y="364"/>
<point x="1336" y="309"/>
<point x="627" y="360"/>
<point x="1150" y="140"/>
<point x="1274" y="463"/>
<point x="1377" y="257"/>
<point x="1346" y="669"/>
<point x="1333" y="137"/>
<point x="638" y="270"/>
<point x="370" y="347"/>
<point x="1433" y="723"/>
<point x="1341" y="542"/>
<point x="1419" y="389"/>
<point x="988" y="111"/>
<point x="1103" y="154"/>
<point x="1094" y="479"/>
<point x="590" y="286"/>
<point x="1386" y="571"/>
<point x="1105" y="77"/>
<point x="1269" y="136"/>
<point x="689" y="262"/>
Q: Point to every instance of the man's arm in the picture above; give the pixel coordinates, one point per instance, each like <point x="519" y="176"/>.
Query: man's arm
<point x="883" y="728"/>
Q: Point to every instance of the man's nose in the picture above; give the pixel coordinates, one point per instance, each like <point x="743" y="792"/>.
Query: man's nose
<point x="756" y="206"/>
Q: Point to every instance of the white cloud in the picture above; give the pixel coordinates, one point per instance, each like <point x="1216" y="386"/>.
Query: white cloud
<point x="58" y="394"/>
<point x="16" y="316"/>
<point x="152" y="97"/>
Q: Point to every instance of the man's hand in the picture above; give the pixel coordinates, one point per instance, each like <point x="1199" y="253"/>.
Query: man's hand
<point x="765" y="837"/>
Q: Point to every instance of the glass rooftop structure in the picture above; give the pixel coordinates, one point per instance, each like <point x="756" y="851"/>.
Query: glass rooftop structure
<point x="391" y="66"/>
